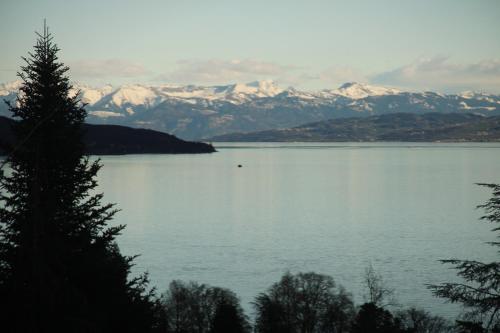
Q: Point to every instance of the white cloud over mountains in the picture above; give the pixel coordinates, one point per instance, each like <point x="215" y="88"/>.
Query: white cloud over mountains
<point x="434" y="73"/>
<point x="337" y="75"/>
<point x="439" y="73"/>
<point x="218" y="71"/>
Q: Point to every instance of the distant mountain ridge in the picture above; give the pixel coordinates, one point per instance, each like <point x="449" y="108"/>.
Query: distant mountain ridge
<point x="428" y="127"/>
<point x="194" y="112"/>
<point x="118" y="140"/>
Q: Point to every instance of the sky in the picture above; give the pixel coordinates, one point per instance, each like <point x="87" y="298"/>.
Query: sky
<point x="441" y="45"/>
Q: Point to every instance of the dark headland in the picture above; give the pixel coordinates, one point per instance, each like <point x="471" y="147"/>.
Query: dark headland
<point x="119" y="140"/>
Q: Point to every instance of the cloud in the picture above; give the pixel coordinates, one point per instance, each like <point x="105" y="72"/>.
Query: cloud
<point x="438" y="73"/>
<point x="106" y="68"/>
<point x="435" y="73"/>
<point x="218" y="71"/>
<point x="337" y="75"/>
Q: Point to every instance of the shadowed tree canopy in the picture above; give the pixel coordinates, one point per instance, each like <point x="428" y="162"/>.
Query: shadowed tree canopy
<point x="305" y="303"/>
<point x="198" y="308"/>
<point x="374" y="319"/>
<point x="415" y="320"/>
<point x="60" y="268"/>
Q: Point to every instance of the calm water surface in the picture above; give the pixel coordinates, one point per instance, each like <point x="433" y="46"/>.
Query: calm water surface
<point x="328" y="208"/>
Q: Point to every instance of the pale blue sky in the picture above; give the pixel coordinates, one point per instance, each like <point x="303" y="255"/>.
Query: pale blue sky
<point x="447" y="45"/>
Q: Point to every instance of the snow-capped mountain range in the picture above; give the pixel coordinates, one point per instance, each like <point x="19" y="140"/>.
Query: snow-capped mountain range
<point x="195" y="112"/>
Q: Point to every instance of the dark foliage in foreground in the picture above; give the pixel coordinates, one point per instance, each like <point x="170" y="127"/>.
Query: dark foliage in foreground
<point x="60" y="268"/>
<point x="414" y="320"/>
<point x="198" y="308"/>
<point x="311" y="303"/>
<point x="298" y="303"/>
<point x="480" y="291"/>
<point x="374" y="319"/>
<point x="305" y="302"/>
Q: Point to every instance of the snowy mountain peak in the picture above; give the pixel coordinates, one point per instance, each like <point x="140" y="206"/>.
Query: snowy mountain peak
<point x="193" y="111"/>
<point x="134" y="95"/>
<point x="265" y="88"/>
<point x="91" y="95"/>
<point x="351" y="94"/>
<point x="472" y="94"/>
<point x="355" y="90"/>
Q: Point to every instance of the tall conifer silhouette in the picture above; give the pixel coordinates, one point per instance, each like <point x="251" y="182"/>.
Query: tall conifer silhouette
<point x="60" y="268"/>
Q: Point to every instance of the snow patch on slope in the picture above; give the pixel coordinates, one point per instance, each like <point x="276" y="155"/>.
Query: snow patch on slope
<point x="135" y="95"/>
<point x="105" y="114"/>
<point x="91" y="95"/>
<point x="356" y="90"/>
<point x="464" y="106"/>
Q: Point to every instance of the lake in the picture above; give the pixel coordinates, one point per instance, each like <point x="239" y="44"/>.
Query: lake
<point x="330" y="208"/>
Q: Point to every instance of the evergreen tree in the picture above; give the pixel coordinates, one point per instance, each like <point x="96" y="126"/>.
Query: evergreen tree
<point x="480" y="291"/>
<point x="60" y="268"/>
